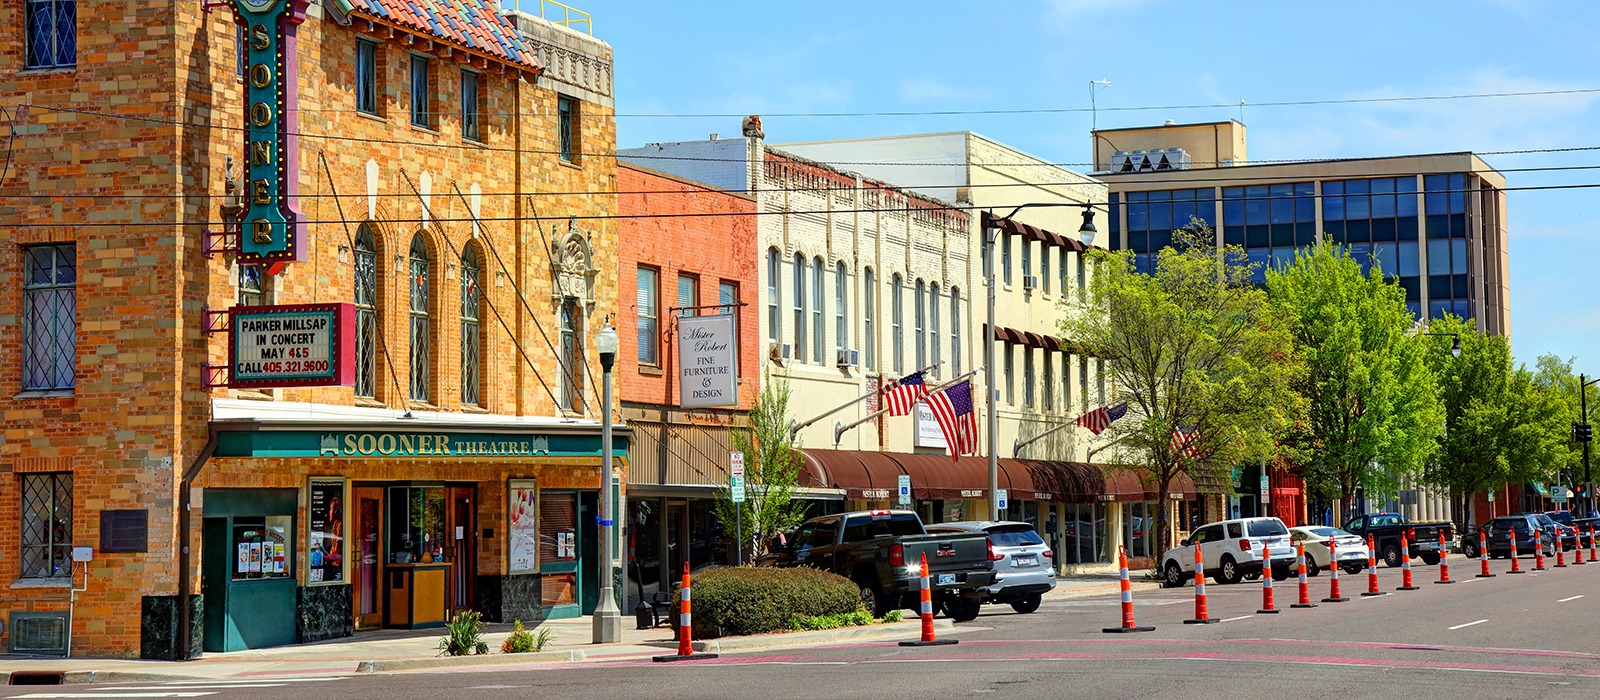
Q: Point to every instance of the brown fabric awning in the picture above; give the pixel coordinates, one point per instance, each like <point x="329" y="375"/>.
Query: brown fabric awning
<point x="1032" y="233"/>
<point x="937" y="477"/>
<point x="860" y="474"/>
<point x="874" y="476"/>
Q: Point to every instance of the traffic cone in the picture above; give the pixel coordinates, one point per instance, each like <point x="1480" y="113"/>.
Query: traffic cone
<point x="1405" y="565"/>
<point x="1577" y="549"/>
<point x="1516" y="566"/>
<point x="1127" y="598"/>
<point x="1372" y="571"/>
<point x="685" y="626"/>
<point x="1538" y="551"/>
<point x="1483" y="554"/>
<point x="1444" y="560"/>
<point x="1200" y="616"/>
<point x="1333" y="570"/>
<point x="1267" y="607"/>
<point x="928" y="639"/>
<point x="1561" y="552"/>
<point x="1592" y="556"/>
<point x="1300" y="566"/>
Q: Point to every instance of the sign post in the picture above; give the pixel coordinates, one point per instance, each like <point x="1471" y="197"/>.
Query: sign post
<point x="1000" y="499"/>
<point x="736" y="493"/>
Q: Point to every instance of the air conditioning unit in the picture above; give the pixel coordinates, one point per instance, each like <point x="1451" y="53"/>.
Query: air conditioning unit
<point x="1119" y="162"/>
<point x="848" y="358"/>
<point x="1139" y="162"/>
<point x="1030" y="281"/>
<point x="780" y="352"/>
<point x="1170" y="159"/>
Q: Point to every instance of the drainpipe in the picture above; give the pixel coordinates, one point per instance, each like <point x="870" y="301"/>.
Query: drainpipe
<point x="185" y="534"/>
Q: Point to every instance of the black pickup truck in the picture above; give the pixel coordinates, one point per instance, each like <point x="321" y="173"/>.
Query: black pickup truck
<point x="881" y="551"/>
<point x="1385" y="529"/>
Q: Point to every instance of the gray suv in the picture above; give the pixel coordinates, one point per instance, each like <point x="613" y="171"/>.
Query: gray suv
<point x="1024" y="566"/>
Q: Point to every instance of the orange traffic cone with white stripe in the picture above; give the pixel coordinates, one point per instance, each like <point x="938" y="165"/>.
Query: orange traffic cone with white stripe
<point x="1334" y="596"/>
<point x="1300" y="566"/>
<point x="1561" y="552"/>
<point x="1405" y="566"/>
<point x="1127" y="598"/>
<point x="1267" y="602"/>
<point x="1538" y="551"/>
<point x="928" y="639"/>
<point x="1577" y="548"/>
<point x="1372" y="571"/>
<point x="1200" y="615"/>
<point x="685" y="626"/>
<point x="1516" y="566"/>
<point x="1444" y="560"/>
<point x="1592" y="556"/>
<point x="1483" y="554"/>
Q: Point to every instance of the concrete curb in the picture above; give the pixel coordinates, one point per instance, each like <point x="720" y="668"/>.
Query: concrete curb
<point x="535" y="657"/>
<point x="905" y="630"/>
<point x="82" y="677"/>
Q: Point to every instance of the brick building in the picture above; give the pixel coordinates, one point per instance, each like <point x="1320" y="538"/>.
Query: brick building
<point x="455" y="473"/>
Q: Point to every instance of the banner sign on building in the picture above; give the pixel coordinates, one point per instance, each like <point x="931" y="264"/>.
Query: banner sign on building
<point x="294" y="345"/>
<point x="708" y="373"/>
<point x="929" y="434"/>
<point x="327" y="546"/>
<point x="522" y="535"/>
<point x="271" y="231"/>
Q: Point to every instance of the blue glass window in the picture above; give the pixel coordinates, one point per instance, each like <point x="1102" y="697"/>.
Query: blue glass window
<point x="1415" y="308"/>
<point x="366" y="76"/>
<point x="1384" y="255"/>
<point x="1409" y="263"/>
<point x="1259" y="258"/>
<point x="1463" y="308"/>
<point x="52" y="33"/>
<point x="1438" y="309"/>
<point x="420" y="110"/>
<point x="1439" y="257"/>
<point x="1233" y="206"/>
<point x="1458" y="193"/>
<point x="1362" y="254"/>
<point x="1458" y="256"/>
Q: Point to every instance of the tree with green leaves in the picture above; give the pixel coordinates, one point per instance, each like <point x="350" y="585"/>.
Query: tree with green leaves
<point x="1193" y="348"/>
<point x="1371" y="413"/>
<point x="772" y="472"/>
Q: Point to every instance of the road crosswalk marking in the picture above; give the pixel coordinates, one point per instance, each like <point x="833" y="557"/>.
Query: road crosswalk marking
<point x="175" y="689"/>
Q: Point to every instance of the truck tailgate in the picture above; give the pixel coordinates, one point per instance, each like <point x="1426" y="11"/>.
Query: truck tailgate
<point x="948" y="552"/>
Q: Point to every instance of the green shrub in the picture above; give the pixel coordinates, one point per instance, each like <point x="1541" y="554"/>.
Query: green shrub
<point x="464" y="635"/>
<point x="523" y="641"/>
<point x="752" y="600"/>
<point x="894" y="616"/>
<point x="859" y="618"/>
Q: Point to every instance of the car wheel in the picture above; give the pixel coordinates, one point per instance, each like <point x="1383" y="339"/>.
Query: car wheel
<point x="1229" y="572"/>
<point x="1430" y="558"/>
<point x="873" y="598"/>
<point x="1280" y="574"/>
<point x="1470" y="549"/>
<point x="1352" y="569"/>
<point x="1391" y="555"/>
<point x="1311" y="566"/>
<point x="1172" y="575"/>
<point x="963" y="609"/>
<point x="1028" y="604"/>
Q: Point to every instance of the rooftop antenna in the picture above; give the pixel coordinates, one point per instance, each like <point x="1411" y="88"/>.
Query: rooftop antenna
<point x="1094" y="111"/>
<point x="1241" y="110"/>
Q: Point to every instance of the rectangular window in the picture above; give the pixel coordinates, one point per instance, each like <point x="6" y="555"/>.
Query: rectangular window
<point x="567" y="127"/>
<point x="688" y="295"/>
<point x="818" y="336"/>
<point x="918" y="315"/>
<point x="1027" y="258"/>
<point x="52" y="33"/>
<point x="728" y="297"/>
<point x="645" y="300"/>
<point x="469" y="105"/>
<point x="1100" y="381"/>
<point x="1044" y="268"/>
<point x="933" y="326"/>
<point x="955" y="332"/>
<point x="366" y="76"/>
<point x="841" y="303"/>
<point x="241" y="53"/>
<point x="1027" y="377"/>
<point x="799" y="308"/>
<point x="1011" y="384"/>
<point x="869" y="296"/>
<point x="1066" y="382"/>
<point x="1083" y="383"/>
<point x="1083" y="279"/>
<point x="897" y="321"/>
<point x="1065" y="289"/>
<point x="46" y="525"/>
<point x="421" y="111"/>
<point x="774" y="297"/>
<point x="1049" y="381"/>
<point x="49" y="317"/>
<point x="1005" y="257"/>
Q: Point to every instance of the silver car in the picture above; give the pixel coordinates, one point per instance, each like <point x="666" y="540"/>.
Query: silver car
<point x="1024" y="566"/>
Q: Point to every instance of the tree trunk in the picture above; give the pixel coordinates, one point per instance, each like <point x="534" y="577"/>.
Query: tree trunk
<point x="1163" y="535"/>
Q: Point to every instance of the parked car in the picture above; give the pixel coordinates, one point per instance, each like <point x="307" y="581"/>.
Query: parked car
<point x="1565" y="536"/>
<point x="1499" y="536"/>
<point x="1579" y="526"/>
<point x="1230" y="550"/>
<point x="1351" y="550"/>
<point x="1025" y="569"/>
<point x="881" y="551"/>
<point x="1386" y="528"/>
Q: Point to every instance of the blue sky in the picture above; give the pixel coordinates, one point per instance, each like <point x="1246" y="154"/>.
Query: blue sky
<point x="740" y="58"/>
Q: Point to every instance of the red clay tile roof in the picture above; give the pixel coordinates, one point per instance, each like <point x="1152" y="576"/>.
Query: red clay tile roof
<point x="473" y="24"/>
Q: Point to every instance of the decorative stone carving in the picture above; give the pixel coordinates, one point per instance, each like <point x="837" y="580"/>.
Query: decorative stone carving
<point x="572" y="269"/>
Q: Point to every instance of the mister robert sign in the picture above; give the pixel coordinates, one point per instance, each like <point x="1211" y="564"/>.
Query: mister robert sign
<point x="707" y="371"/>
<point x="300" y="345"/>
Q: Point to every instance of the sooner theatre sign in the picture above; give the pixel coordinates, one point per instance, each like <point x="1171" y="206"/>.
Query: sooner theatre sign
<point x="271" y="232"/>
<point x="298" y="345"/>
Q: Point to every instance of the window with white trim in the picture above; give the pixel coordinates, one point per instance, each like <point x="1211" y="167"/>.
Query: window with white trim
<point x="646" y="308"/>
<point x="799" y="308"/>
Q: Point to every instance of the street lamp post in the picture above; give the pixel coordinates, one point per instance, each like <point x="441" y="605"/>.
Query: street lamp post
<point x="1086" y="233"/>
<point x="607" y="616"/>
<point x="1583" y="418"/>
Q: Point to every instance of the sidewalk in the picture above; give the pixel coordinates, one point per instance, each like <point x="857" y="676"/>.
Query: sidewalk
<point x="412" y="650"/>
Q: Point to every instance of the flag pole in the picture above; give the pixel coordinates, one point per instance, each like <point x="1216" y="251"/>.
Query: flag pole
<point x="1016" y="447"/>
<point x="841" y="430"/>
<point x="795" y="428"/>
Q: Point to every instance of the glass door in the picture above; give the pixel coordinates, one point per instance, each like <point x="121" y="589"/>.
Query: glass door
<point x="369" y="558"/>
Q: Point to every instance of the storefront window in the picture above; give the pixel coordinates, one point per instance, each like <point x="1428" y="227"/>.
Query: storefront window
<point x="1084" y="534"/>
<point x="262" y="547"/>
<point x="416" y="524"/>
<point x="1138" y="528"/>
<point x="326" y="512"/>
<point x="558" y="544"/>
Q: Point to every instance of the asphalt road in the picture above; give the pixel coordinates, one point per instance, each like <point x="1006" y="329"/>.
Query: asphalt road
<point x="1508" y="636"/>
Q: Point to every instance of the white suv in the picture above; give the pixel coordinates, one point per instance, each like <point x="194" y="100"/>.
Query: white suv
<point x="1231" y="550"/>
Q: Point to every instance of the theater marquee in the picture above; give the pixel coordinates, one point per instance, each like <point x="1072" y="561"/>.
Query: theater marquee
<point x="295" y="345"/>
<point x="271" y="232"/>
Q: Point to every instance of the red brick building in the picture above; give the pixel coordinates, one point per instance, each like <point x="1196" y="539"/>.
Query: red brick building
<point x="668" y="264"/>
<point x="456" y="473"/>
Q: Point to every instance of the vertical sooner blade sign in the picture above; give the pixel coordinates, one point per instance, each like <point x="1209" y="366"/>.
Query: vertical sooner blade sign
<point x="271" y="232"/>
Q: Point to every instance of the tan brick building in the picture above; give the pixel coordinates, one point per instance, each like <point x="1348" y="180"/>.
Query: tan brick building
<point x="461" y="471"/>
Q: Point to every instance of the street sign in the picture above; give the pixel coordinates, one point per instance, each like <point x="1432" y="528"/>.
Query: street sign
<point x="1491" y="500"/>
<point x="736" y="488"/>
<point x="1266" y="493"/>
<point x="1000" y="499"/>
<point x="736" y="464"/>
<point x="1558" y="493"/>
<point x="905" y="489"/>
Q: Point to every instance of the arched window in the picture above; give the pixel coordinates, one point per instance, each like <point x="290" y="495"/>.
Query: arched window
<point x="955" y="331"/>
<point x="799" y="308"/>
<point x="366" y="295"/>
<point x="841" y="305"/>
<point x="421" y="331"/>
<point x="897" y="320"/>
<point x="919" y="318"/>
<point x="818" y="335"/>
<point x="471" y="329"/>
<point x="869" y="316"/>
<point x="774" y="296"/>
<point x="933" y="325"/>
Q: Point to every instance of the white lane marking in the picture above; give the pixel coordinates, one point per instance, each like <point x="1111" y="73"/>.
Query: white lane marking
<point x="200" y="686"/>
<point x="114" y="695"/>
<point x="1564" y="600"/>
<point x="1472" y="580"/>
<point x="1469" y="624"/>
<point x="255" y="680"/>
<point x="1241" y="617"/>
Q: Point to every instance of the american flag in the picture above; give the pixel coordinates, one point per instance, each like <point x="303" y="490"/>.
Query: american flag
<point x="952" y="408"/>
<point x="903" y="395"/>
<point x="1098" y="420"/>
<point x="1186" y="444"/>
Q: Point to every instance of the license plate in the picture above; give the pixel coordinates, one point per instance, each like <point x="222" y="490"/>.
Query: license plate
<point x="947" y="579"/>
<point x="1026" y="561"/>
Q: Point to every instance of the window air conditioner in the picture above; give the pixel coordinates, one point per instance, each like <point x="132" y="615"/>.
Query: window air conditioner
<point x="780" y="352"/>
<point x="848" y="358"/>
<point x="1030" y="281"/>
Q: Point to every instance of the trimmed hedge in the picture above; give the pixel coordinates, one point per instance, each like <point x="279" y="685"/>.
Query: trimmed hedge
<point x="753" y="600"/>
